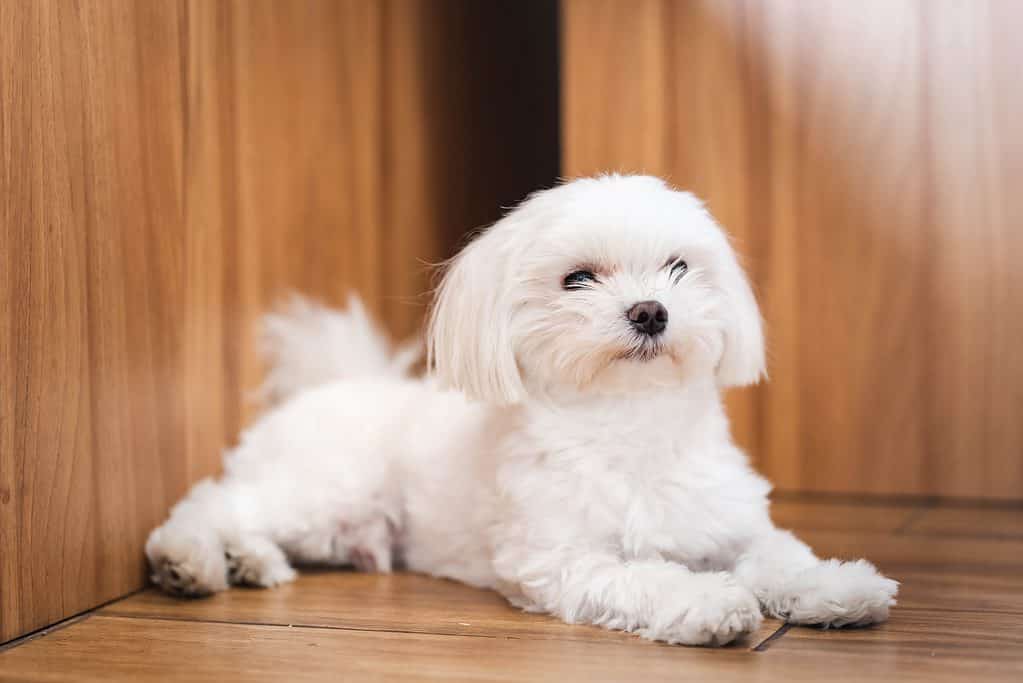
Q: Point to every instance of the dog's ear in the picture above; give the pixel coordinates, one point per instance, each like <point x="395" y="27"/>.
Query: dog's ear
<point x="743" y="360"/>
<point x="469" y="337"/>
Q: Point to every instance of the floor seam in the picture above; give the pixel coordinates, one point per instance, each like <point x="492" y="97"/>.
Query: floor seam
<point x="906" y="530"/>
<point x="271" y="624"/>
<point x="912" y="518"/>
<point x="360" y="629"/>
<point x="365" y="629"/>
<point x="961" y="610"/>
<point x="769" y="640"/>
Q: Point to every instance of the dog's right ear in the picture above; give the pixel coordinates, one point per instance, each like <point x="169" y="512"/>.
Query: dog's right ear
<point x="469" y="337"/>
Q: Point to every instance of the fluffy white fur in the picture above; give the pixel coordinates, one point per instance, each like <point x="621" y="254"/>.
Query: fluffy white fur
<point x="556" y="455"/>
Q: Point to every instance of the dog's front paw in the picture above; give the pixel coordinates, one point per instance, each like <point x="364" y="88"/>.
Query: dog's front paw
<point x="835" y="593"/>
<point x="715" y="611"/>
<point x="257" y="562"/>
<point x="186" y="565"/>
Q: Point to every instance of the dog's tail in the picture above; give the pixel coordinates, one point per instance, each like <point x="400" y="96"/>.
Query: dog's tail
<point x="306" y="344"/>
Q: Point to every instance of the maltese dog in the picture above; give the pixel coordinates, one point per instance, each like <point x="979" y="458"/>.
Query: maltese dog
<point x="569" y="448"/>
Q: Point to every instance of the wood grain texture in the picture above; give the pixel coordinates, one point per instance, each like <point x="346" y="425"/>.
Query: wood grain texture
<point x="898" y="536"/>
<point x="842" y="516"/>
<point x="863" y="156"/>
<point x="966" y="521"/>
<point x="987" y="590"/>
<point x="976" y="147"/>
<point x="170" y="170"/>
<point x="889" y="551"/>
<point x="916" y="645"/>
<point x="398" y="602"/>
<point x="90" y="234"/>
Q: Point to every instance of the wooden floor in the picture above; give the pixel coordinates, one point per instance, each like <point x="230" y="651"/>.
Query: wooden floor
<point x="959" y="618"/>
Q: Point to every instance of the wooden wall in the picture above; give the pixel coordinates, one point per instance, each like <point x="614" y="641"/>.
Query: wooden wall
<point x="866" y="156"/>
<point x="170" y="169"/>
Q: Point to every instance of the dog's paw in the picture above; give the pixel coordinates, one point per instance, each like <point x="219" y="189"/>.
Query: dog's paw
<point x="257" y="562"/>
<point x="835" y="593"/>
<point x="717" y="612"/>
<point x="366" y="546"/>
<point x="184" y="564"/>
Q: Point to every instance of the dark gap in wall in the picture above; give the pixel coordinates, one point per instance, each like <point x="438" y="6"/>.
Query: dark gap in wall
<point x="506" y="61"/>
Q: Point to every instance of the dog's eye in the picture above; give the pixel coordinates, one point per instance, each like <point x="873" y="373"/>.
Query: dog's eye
<point x="578" y="279"/>
<point x="678" y="270"/>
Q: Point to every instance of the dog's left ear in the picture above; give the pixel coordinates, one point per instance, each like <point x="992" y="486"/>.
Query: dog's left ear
<point x="469" y="341"/>
<point x="742" y="361"/>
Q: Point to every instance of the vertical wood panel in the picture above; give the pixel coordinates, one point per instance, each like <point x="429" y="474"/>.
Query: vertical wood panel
<point x="852" y="217"/>
<point x="91" y="140"/>
<point x="214" y="298"/>
<point x="864" y="155"/>
<point x="630" y="57"/>
<point x="974" y="109"/>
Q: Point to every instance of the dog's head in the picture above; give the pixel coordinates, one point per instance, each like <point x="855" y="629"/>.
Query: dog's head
<point x="608" y="284"/>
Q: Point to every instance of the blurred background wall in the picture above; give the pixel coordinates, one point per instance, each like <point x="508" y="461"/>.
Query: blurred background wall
<point x="170" y="169"/>
<point x="866" y="156"/>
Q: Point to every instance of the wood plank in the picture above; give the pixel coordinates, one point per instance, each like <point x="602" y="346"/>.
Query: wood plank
<point x="891" y="551"/>
<point x="633" y="34"/>
<point x="960" y="520"/>
<point x="915" y="645"/>
<point x="214" y="257"/>
<point x="398" y="602"/>
<point x="975" y="125"/>
<point x="90" y="220"/>
<point x="836" y="82"/>
<point x="983" y="590"/>
<point x="923" y="518"/>
<point x="822" y="515"/>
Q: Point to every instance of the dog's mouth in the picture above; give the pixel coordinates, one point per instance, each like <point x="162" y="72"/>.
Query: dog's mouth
<point x="643" y="351"/>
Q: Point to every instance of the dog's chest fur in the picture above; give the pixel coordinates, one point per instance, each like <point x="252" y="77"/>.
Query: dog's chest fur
<point x="640" y="480"/>
<point x="689" y="511"/>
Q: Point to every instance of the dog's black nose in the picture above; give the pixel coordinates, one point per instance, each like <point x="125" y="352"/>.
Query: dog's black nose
<point x="648" y="317"/>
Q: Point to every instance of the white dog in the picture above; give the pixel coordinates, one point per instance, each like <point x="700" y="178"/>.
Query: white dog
<point x="571" y="450"/>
